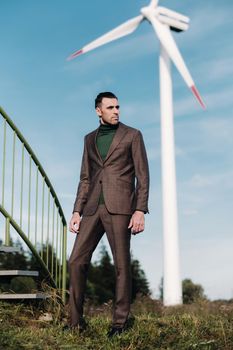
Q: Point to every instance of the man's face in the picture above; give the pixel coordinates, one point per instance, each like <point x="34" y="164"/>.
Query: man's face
<point x="109" y="111"/>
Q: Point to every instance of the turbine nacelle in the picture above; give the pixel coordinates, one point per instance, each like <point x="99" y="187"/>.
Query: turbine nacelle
<point x="147" y="11"/>
<point x="176" y="21"/>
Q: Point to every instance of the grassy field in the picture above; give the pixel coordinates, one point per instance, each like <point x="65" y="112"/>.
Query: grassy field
<point x="203" y="325"/>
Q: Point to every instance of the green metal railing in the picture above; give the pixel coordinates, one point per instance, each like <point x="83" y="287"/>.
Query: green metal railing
<point x="30" y="206"/>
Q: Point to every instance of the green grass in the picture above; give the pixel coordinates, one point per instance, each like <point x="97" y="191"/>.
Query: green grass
<point x="203" y="325"/>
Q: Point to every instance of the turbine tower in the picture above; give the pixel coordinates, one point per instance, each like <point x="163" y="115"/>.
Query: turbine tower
<point x="163" y="21"/>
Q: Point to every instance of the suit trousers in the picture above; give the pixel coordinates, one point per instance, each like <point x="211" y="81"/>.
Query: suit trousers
<point x="91" y="230"/>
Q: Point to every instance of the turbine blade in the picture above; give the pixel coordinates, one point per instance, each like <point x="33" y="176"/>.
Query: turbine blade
<point x="198" y="96"/>
<point x="172" y="14"/>
<point x="118" y="32"/>
<point x="165" y="37"/>
<point x="173" y="23"/>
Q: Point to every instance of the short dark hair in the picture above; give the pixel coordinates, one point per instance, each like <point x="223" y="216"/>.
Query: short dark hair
<point x="101" y="95"/>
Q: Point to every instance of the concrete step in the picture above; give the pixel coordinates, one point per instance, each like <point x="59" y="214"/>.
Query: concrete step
<point x="18" y="273"/>
<point x="8" y="249"/>
<point x="8" y="296"/>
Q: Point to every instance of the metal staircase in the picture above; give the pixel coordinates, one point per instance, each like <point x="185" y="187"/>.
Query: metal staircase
<point x="7" y="249"/>
<point x="12" y="273"/>
<point x="30" y="212"/>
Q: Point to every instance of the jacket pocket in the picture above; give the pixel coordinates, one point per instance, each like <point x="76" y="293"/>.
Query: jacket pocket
<point x="125" y="185"/>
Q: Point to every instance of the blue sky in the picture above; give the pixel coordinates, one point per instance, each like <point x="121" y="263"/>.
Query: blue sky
<point x="52" y="103"/>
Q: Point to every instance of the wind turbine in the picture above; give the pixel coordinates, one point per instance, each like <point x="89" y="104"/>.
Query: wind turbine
<point x="162" y="20"/>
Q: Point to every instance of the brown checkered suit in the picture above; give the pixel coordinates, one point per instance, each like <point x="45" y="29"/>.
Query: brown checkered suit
<point x="125" y="164"/>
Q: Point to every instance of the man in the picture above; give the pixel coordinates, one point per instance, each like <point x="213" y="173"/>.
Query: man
<point x="107" y="200"/>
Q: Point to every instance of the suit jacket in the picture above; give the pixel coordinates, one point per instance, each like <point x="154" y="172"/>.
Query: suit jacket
<point x="123" y="175"/>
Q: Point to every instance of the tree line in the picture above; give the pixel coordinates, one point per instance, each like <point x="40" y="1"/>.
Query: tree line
<point x="101" y="277"/>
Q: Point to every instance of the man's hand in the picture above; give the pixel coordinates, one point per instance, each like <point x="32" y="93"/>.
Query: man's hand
<point x="75" y="222"/>
<point x="137" y="222"/>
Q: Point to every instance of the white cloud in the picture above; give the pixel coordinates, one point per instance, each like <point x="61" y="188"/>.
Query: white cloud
<point x="189" y="212"/>
<point x="214" y="101"/>
<point x="208" y="261"/>
<point x="153" y="153"/>
<point x="201" y="181"/>
<point x="219" y="99"/>
<point x="205" y="21"/>
<point x="180" y="152"/>
<point x="211" y="180"/>
<point x="145" y="111"/>
<point x="87" y="89"/>
<point x="66" y="196"/>
<point x="218" y="129"/>
<point x="216" y="69"/>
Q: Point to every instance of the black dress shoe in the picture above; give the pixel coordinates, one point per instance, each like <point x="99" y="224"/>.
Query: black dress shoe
<point x="115" y="331"/>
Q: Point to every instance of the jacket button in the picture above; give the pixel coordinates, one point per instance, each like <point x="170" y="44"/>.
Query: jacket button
<point x="100" y="181"/>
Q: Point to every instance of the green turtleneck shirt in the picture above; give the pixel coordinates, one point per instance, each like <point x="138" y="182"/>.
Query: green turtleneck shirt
<point x="103" y="141"/>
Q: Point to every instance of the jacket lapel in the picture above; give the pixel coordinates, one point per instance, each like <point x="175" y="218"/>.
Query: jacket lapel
<point x="93" y="145"/>
<point x="96" y="148"/>
<point x="120" y="133"/>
